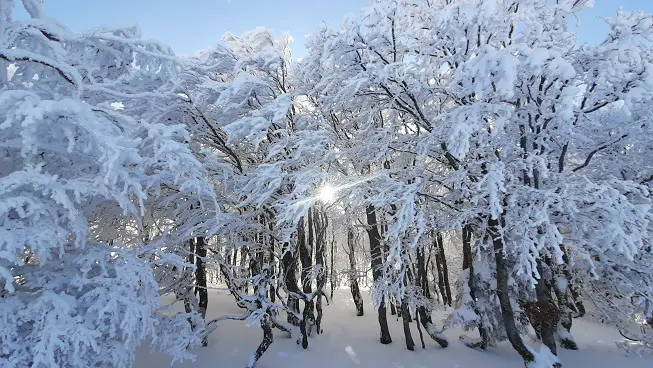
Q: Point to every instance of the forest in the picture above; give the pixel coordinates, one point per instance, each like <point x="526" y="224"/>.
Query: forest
<point x="456" y="163"/>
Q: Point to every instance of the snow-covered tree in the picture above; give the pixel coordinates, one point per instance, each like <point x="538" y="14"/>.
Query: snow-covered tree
<point x="86" y="157"/>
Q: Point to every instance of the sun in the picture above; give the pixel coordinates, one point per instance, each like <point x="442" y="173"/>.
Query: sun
<point x="327" y="193"/>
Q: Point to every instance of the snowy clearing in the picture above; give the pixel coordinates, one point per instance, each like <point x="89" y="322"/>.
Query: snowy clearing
<point x="350" y="341"/>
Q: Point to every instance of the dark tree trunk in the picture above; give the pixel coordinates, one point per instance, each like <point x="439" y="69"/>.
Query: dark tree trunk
<point x="443" y="272"/>
<point x="306" y="259"/>
<point x="503" y="293"/>
<point x="419" y="329"/>
<point x="200" y="278"/>
<point x="377" y="273"/>
<point x="268" y="338"/>
<point x="305" y="252"/>
<point x="424" y="314"/>
<point x="189" y="294"/>
<point x="410" y="345"/>
<point x="303" y="324"/>
<point x="422" y="280"/>
<point x="353" y="274"/>
<point x="468" y="264"/>
<point x="332" y="269"/>
<point x="289" y="264"/>
<point x="405" y="310"/>
<point x="576" y="302"/>
<point x="566" y="318"/>
<point x="320" y="226"/>
<point x="271" y="261"/>
<point x="548" y="322"/>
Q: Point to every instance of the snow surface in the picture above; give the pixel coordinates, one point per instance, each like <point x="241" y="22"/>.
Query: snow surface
<point x="350" y="341"/>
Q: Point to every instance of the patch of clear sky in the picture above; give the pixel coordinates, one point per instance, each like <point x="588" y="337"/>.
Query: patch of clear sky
<point x="191" y="25"/>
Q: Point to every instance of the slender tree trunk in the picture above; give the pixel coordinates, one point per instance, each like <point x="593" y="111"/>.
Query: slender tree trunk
<point x="547" y="323"/>
<point x="289" y="264"/>
<point x="332" y="269"/>
<point x="405" y="314"/>
<point x="576" y="302"/>
<point x="268" y="338"/>
<point x="445" y="268"/>
<point x="468" y="264"/>
<point x="353" y="274"/>
<point x="242" y="270"/>
<point x="443" y="273"/>
<point x="305" y="257"/>
<point x="271" y="261"/>
<point x="377" y="273"/>
<point x="259" y="288"/>
<point x="564" y="329"/>
<point x="320" y="226"/>
<point x="405" y="310"/>
<point x="419" y="329"/>
<point x="422" y="281"/>
<point x="503" y="293"/>
<point x="200" y="278"/>
<point x="189" y="294"/>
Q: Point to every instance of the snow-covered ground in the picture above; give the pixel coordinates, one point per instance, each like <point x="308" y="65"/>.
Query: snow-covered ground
<point x="350" y="341"/>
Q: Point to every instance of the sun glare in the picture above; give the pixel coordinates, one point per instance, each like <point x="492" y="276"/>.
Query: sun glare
<point x="327" y="193"/>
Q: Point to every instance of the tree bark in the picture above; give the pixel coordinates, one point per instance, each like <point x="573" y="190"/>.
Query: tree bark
<point x="547" y="322"/>
<point x="564" y="329"/>
<point x="353" y="274"/>
<point x="271" y="261"/>
<point x="405" y="314"/>
<point x="443" y="272"/>
<point x="200" y="278"/>
<point x="320" y="226"/>
<point x="332" y="270"/>
<point x="377" y="273"/>
<point x="306" y="259"/>
<point x="268" y="338"/>
<point x="468" y="264"/>
<point x="503" y="293"/>
<point x="289" y="264"/>
<point x="189" y="294"/>
<point x="422" y="281"/>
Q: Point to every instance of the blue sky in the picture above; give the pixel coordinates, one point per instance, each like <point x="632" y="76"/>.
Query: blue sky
<point x="190" y="25"/>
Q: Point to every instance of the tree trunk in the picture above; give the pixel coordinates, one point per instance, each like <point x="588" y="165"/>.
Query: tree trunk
<point x="268" y="338"/>
<point x="443" y="273"/>
<point x="306" y="259"/>
<point x="353" y="274"/>
<point x="422" y="281"/>
<point x="405" y="314"/>
<point x="189" y="293"/>
<point x="271" y="261"/>
<point x="564" y="329"/>
<point x="468" y="264"/>
<point x="200" y="278"/>
<point x="377" y="273"/>
<point x="419" y="329"/>
<point x="503" y="293"/>
<point x="289" y="264"/>
<point x="332" y="269"/>
<point x="320" y="226"/>
<point x="547" y="323"/>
